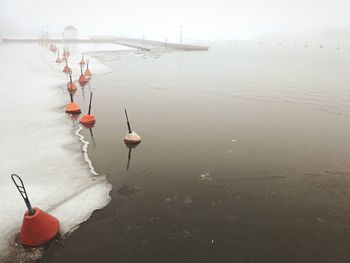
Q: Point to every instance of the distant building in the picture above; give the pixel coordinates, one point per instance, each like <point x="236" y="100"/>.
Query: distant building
<point x="70" y="32"/>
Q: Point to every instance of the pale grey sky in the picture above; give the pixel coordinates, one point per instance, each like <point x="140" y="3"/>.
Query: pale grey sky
<point x="205" y="19"/>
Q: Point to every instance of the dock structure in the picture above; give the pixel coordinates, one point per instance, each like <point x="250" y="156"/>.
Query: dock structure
<point x="142" y="44"/>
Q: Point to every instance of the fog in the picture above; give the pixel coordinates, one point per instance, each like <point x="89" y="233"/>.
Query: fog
<point x="160" y="19"/>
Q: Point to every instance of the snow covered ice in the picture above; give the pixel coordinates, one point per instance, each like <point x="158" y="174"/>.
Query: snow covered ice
<point x="38" y="143"/>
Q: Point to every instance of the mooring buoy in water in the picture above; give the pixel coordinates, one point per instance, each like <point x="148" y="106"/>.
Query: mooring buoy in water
<point x="67" y="69"/>
<point x="38" y="227"/>
<point x="53" y="48"/>
<point x="87" y="72"/>
<point x="82" y="79"/>
<point x="58" y="60"/>
<point x="82" y="61"/>
<point x="88" y="120"/>
<point x="70" y="85"/>
<point x="72" y="107"/>
<point x="131" y="137"/>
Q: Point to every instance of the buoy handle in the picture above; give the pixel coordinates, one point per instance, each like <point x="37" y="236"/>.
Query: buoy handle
<point x="87" y="64"/>
<point x="90" y="103"/>
<point x="22" y="190"/>
<point x="127" y="121"/>
<point x="71" y="97"/>
<point x="70" y="77"/>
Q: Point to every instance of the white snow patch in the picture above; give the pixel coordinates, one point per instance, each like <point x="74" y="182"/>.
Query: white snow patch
<point x="38" y="143"/>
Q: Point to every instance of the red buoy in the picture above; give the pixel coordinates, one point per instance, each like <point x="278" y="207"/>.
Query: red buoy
<point x="70" y="85"/>
<point x="82" y="61"/>
<point x="82" y="79"/>
<point x="88" y="120"/>
<point x="66" y="69"/>
<point x="38" y="227"/>
<point x="65" y="53"/>
<point x="58" y="60"/>
<point x="87" y="72"/>
<point x="72" y="107"/>
<point x="53" y="48"/>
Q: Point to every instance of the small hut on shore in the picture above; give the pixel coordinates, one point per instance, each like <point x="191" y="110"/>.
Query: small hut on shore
<point x="70" y="32"/>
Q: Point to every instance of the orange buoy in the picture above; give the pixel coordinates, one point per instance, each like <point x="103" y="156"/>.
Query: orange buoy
<point x="72" y="107"/>
<point x="88" y="120"/>
<point x="131" y="137"/>
<point x="82" y="79"/>
<point x="82" y="61"/>
<point x="53" y="48"/>
<point x="38" y="227"/>
<point x="87" y="72"/>
<point x="70" y="85"/>
<point x="67" y="69"/>
<point x="65" y="53"/>
<point x="58" y="60"/>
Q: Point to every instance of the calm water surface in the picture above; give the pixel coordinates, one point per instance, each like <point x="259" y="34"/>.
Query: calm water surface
<point x="244" y="158"/>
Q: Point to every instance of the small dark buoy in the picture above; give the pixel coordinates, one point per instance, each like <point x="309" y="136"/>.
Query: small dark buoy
<point x="87" y="72"/>
<point x="70" y="85"/>
<point x="38" y="227"/>
<point x="88" y="120"/>
<point x="72" y="107"/>
<point x="131" y="137"/>
<point x="82" y="79"/>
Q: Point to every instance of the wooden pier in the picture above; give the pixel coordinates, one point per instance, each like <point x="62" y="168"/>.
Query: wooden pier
<point x="142" y="44"/>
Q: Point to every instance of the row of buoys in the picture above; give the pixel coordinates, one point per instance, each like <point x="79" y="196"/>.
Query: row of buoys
<point x="88" y="120"/>
<point x="39" y="227"/>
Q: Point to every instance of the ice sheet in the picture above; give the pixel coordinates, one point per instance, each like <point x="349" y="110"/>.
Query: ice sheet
<point x="38" y="142"/>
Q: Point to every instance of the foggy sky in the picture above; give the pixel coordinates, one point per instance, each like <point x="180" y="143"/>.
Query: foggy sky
<point x="159" y="19"/>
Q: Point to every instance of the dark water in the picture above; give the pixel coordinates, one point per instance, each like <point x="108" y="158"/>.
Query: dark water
<point x="244" y="158"/>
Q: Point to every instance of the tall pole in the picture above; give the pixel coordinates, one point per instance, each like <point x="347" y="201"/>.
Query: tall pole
<point x="180" y="34"/>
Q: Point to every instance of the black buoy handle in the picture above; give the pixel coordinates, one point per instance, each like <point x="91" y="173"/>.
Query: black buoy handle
<point x="71" y="97"/>
<point x="22" y="190"/>
<point x="127" y="121"/>
<point x="90" y="103"/>
<point x="81" y="69"/>
<point x="70" y="77"/>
